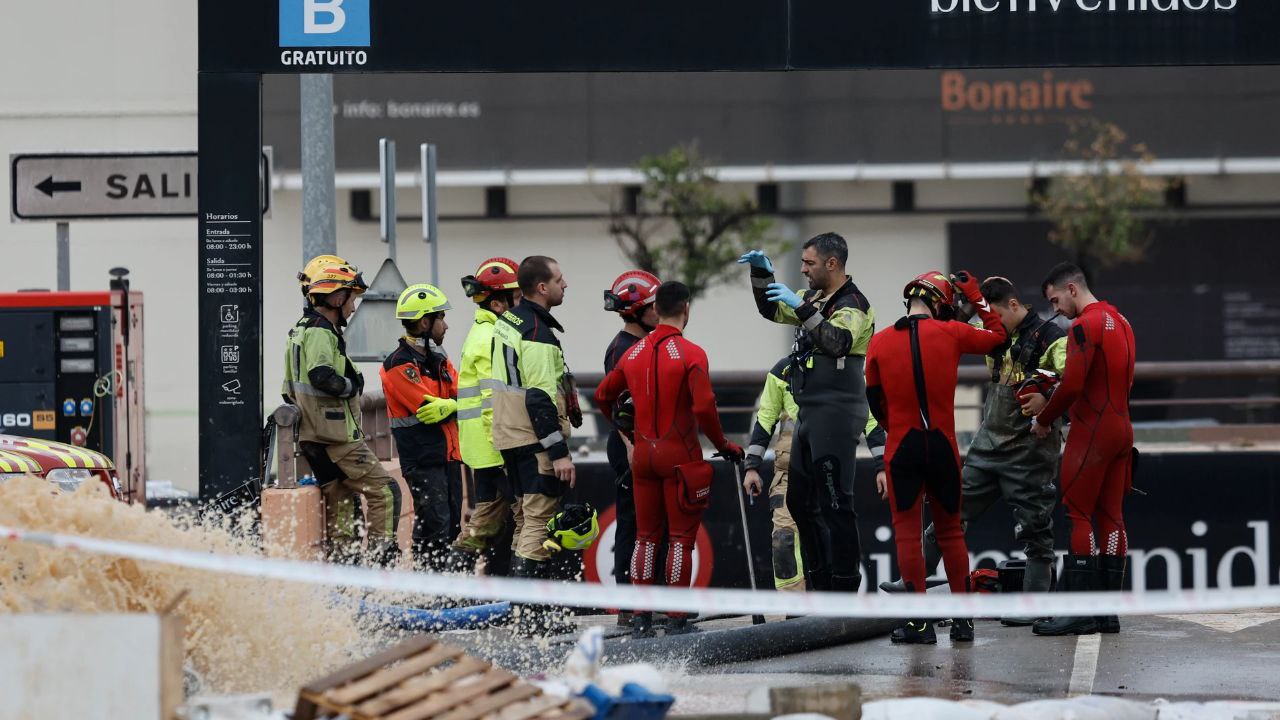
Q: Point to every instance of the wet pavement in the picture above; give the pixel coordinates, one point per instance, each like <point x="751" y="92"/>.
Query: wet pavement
<point x="1230" y="656"/>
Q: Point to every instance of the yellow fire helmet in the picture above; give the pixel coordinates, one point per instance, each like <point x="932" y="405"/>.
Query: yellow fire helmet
<point x="575" y="527"/>
<point x="315" y="265"/>
<point x="334" y="278"/>
<point x="418" y="301"/>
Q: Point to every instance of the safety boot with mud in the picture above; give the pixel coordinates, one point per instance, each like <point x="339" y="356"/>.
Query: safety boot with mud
<point x="1080" y="574"/>
<point x="962" y="630"/>
<point x="915" y="632"/>
<point x="642" y="626"/>
<point x="1111" y="579"/>
<point x="680" y="626"/>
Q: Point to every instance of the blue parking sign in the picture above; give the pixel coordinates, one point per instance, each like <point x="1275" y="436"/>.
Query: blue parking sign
<point x="324" y="23"/>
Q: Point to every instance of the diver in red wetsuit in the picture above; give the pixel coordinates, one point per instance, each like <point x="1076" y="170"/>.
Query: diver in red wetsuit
<point x="671" y="388"/>
<point x="911" y="386"/>
<point x="1097" y="464"/>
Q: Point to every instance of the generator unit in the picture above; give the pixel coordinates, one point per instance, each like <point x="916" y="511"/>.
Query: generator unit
<point x="71" y="371"/>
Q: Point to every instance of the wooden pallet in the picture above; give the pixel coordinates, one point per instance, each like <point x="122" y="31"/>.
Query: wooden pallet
<point x="422" y="679"/>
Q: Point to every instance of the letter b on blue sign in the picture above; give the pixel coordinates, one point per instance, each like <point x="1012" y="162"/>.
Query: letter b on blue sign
<point x="324" y="23"/>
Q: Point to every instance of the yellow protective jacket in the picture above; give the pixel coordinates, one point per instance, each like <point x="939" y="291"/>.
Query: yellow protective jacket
<point x="475" y="394"/>
<point x="323" y="382"/>
<point x="529" y="382"/>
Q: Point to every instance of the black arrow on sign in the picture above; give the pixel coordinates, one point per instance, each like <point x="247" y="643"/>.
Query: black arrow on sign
<point x="49" y="187"/>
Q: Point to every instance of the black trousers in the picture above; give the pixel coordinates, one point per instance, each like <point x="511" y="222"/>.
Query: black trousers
<point x="437" y="511"/>
<point x="820" y="497"/>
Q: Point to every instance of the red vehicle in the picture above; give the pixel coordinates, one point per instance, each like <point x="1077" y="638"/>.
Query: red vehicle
<point x="66" y="466"/>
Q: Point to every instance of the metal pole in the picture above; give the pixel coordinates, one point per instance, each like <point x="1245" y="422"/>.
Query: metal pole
<point x="430" y="231"/>
<point x="64" y="256"/>
<point x="319" y="209"/>
<point x="387" y="170"/>
<point x="746" y="531"/>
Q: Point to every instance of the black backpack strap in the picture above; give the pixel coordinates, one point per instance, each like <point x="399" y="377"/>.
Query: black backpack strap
<point x="917" y="368"/>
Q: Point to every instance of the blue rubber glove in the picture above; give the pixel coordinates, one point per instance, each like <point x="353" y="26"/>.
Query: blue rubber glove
<point x="778" y="292"/>
<point x="757" y="259"/>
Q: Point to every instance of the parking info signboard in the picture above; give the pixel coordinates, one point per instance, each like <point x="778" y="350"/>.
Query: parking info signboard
<point x="95" y="186"/>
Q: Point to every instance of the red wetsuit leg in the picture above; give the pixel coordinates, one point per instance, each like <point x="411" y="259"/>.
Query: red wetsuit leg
<point x="647" y="491"/>
<point x="948" y="529"/>
<point x="682" y="533"/>
<point x="1084" y="466"/>
<point x="1109" y="515"/>
<point x="907" y="531"/>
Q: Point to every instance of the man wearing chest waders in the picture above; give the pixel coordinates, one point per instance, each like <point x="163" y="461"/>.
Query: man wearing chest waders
<point x="834" y="323"/>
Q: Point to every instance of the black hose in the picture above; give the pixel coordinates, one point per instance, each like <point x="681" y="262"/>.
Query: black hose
<point x="705" y="648"/>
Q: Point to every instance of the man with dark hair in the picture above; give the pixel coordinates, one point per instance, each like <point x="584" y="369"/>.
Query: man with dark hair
<point x="533" y="408"/>
<point x="834" y="325"/>
<point x="1097" y="463"/>
<point x="494" y="289"/>
<point x="421" y="389"/>
<point x="1005" y="460"/>
<point x="632" y="296"/>
<point x="670" y="384"/>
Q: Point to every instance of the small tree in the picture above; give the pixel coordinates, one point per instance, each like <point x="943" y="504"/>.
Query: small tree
<point x="1097" y="214"/>
<point x="684" y="228"/>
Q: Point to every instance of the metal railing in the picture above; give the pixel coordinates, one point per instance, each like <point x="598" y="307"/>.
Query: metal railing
<point x="977" y="375"/>
<point x="378" y="430"/>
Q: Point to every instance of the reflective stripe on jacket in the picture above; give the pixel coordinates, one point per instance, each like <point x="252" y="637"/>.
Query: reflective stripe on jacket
<point x="475" y="394"/>
<point x="322" y="381"/>
<point x="528" y="377"/>
<point x="408" y="378"/>
<point x="777" y="406"/>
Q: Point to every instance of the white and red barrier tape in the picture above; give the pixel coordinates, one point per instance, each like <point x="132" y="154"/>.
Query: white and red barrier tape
<point x="707" y="601"/>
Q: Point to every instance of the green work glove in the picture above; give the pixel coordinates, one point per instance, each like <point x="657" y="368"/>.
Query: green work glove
<point x="435" y="410"/>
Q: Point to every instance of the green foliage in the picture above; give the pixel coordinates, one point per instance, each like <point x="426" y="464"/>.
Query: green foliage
<point x="1097" y="213"/>
<point x="686" y="228"/>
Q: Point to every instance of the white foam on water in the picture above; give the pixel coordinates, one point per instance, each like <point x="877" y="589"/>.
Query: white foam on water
<point x="243" y="634"/>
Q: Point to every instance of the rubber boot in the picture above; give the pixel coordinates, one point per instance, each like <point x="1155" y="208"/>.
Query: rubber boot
<point x="915" y="632"/>
<point x="385" y="554"/>
<point x="461" y="561"/>
<point x="1080" y="574"/>
<point x="819" y="580"/>
<point x="1111" y="579"/>
<point x="932" y="558"/>
<point x="680" y="626"/>
<point x="524" y="617"/>
<point x="642" y="626"/>
<point x="1037" y="578"/>
<point x="553" y="619"/>
<point x="894" y="586"/>
<point x="846" y="583"/>
<point x="962" y="630"/>
<point x="900" y="585"/>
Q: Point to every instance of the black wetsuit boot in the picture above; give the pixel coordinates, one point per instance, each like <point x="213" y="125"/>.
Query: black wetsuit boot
<point x="1080" y="574"/>
<point x="1111" y="579"/>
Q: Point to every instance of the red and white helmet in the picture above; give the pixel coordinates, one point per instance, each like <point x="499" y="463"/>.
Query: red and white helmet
<point x="933" y="287"/>
<point x="493" y="275"/>
<point x="631" y="292"/>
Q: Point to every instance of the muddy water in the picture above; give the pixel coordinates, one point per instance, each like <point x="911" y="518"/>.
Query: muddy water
<point x="242" y="634"/>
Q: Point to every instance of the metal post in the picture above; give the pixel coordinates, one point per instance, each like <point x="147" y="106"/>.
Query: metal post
<point x="387" y="171"/>
<point x="319" y="210"/>
<point x="64" y="256"/>
<point x="427" y="153"/>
